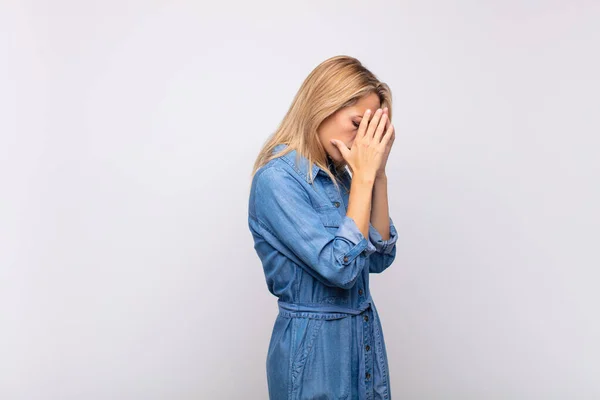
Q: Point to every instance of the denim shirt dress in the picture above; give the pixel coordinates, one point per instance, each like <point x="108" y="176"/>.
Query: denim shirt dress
<point x="327" y="340"/>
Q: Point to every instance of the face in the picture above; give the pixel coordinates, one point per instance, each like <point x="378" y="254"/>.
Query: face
<point x="343" y="125"/>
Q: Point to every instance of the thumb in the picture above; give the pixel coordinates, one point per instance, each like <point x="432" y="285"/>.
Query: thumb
<point x="341" y="147"/>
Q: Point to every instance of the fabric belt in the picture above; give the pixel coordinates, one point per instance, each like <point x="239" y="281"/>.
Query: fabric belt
<point x="320" y="310"/>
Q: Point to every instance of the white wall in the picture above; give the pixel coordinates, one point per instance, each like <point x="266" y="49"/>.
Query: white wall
<point x="127" y="133"/>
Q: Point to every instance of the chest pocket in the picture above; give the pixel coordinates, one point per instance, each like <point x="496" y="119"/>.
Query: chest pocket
<point x="330" y="217"/>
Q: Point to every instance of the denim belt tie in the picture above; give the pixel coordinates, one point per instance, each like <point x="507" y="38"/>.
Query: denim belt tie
<point x="320" y="310"/>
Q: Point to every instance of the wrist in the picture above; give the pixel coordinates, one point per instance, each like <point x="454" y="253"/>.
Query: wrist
<point x="381" y="176"/>
<point x="364" y="179"/>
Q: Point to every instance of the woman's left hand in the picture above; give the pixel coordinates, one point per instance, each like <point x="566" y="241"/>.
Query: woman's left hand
<point x="388" y="148"/>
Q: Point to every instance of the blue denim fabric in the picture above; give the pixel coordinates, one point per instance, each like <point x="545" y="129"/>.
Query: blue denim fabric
<point x="327" y="340"/>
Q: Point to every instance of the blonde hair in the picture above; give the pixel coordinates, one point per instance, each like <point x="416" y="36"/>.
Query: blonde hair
<point x="337" y="82"/>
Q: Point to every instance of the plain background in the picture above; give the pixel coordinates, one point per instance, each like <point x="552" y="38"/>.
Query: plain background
<point x="128" y="133"/>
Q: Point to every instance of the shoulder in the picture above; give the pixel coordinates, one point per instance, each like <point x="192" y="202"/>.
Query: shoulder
<point x="276" y="188"/>
<point x="276" y="176"/>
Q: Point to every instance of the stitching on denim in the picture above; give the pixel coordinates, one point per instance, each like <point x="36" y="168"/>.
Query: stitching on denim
<point x="381" y="360"/>
<point x="312" y="315"/>
<point x="291" y="364"/>
<point x="299" y="227"/>
<point x="360" y="266"/>
<point x="300" y="360"/>
<point x="349" y="253"/>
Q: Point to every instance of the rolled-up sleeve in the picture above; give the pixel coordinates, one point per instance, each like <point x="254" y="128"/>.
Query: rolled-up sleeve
<point x="385" y="250"/>
<point x="287" y="220"/>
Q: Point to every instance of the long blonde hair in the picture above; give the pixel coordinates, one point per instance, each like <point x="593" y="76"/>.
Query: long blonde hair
<point x="337" y="82"/>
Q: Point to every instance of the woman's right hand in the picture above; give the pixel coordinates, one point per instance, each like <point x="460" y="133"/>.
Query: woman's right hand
<point x="366" y="155"/>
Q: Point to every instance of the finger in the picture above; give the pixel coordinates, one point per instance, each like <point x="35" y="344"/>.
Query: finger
<point x="391" y="142"/>
<point x="341" y="147"/>
<point x="373" y="124"/>
<point x="388" y="125"/>
<point x="388" y="122"/>
<point x="380" y="127"/>
<point x="388" y="135"/>
<point x="364" y="123"/>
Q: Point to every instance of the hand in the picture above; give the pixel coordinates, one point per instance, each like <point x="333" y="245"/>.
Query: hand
<point x="370" y="146"/>
<point x="381" y="171"/>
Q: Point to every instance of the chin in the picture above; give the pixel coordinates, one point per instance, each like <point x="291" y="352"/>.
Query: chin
<point x="338" y="160"/>
<point x="336" y="156"/>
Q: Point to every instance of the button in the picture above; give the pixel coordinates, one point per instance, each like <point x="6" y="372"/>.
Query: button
<point x="367" y="348"/>
<point x="345" y="258"/>
<point x="360" y="292"/>
<point x="368" y="375"/>
<point x="336" y="204"/>
<point x="366" y="318"/>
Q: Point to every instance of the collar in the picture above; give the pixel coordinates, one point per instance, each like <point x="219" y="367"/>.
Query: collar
<point x="302" y="166"/>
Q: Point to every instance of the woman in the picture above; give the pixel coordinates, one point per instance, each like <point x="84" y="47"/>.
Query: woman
<point x="318" y="213"/>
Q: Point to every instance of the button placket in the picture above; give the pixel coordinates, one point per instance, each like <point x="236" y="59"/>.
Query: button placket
<point x="367" y="331"/>
<point x="368" y="354"/>
<point x="331" y="193"/>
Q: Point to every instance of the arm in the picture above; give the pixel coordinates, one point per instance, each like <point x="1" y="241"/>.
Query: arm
<point x="359" y="202"/>
<point x="382" y="232"/>
<point x="287" y="220"/>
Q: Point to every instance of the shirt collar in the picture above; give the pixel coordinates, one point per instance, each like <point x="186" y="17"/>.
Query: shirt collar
<point x="302" y="166"/>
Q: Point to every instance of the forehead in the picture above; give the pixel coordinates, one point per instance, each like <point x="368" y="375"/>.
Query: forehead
<point x="370" y="101"/>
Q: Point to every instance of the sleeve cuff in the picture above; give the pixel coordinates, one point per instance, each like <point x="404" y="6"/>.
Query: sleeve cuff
<point x="380" y="245"/>
<point x="349" y="231"/>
